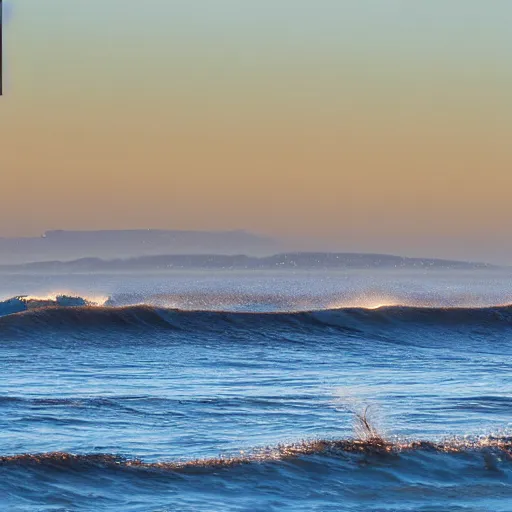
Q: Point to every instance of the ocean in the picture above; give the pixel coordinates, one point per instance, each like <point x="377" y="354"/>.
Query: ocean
<point x="348" y="390"/>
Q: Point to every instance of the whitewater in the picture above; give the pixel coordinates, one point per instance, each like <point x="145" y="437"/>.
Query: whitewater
<point x="256" y="391"/>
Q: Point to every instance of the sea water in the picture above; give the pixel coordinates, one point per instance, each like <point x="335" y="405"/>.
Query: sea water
<point x="257" y="391"/>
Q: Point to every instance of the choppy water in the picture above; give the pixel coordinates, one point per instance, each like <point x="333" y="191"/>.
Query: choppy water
<point x="239" y="392"/>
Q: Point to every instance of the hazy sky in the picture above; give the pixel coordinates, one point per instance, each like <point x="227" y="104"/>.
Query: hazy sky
<point x="381" y="125"/>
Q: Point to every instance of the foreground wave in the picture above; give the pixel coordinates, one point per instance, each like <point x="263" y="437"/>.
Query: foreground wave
<point x="484" y="446"/>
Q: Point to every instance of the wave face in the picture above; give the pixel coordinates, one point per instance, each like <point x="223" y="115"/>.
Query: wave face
<point x="78" y="317"/>
<point x="255" y="396"/>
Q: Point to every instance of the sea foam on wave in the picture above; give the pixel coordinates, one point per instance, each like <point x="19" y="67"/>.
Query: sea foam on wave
<point x="22" y="303"/>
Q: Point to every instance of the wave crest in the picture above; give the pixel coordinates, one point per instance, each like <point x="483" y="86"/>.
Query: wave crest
<point x="285" y="452"/>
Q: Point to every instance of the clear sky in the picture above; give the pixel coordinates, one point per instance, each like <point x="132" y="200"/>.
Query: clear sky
<point x="381" y="125"/>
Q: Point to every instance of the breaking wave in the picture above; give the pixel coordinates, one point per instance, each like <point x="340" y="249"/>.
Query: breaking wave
<point x="77" y="314"/>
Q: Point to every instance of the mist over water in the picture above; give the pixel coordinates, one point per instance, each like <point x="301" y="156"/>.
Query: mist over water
<point x="233" y="390"/>
<point x="272" y="290"/>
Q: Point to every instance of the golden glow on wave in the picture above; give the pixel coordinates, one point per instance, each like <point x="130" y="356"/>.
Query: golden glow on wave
<point x="377" y="446"/>
<point x="367" y="302"/>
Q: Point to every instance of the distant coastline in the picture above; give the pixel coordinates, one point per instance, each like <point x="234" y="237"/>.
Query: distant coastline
<point x="298" y="260"/>
<point x="160" y="250"/>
